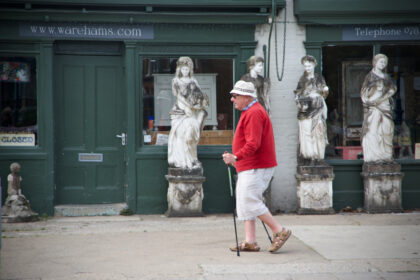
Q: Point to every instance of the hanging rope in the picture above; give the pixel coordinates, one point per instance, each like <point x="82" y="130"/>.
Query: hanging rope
<point x="273" y="14"/>
<point x="280" y="77"/>
<point x="273" y="17"/>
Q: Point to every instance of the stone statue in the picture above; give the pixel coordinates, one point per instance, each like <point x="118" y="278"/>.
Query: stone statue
<point x="17" y="207"/>
<point x="310" y="97"/>
<point x="13" y="180"/>
<point x="255" y="65"/>
<point x="187" y="117"/>
<point x="378" y="126"/>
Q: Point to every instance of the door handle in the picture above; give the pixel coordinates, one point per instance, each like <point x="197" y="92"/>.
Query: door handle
<point x="123" y="137"/>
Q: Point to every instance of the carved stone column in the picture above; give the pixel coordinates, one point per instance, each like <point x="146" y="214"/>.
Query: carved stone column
<point x="314" y="190"/>
<point x="382" y="184"/>
<point x="185" y="192"/>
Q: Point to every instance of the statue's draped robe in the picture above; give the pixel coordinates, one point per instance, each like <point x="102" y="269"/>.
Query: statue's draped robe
<point x="187" y="120"/>
<point x="312" y="115"/>
<point x="378" y="126"/>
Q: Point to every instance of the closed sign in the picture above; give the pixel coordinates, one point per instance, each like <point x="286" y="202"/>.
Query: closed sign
<point x="17" y="139"/>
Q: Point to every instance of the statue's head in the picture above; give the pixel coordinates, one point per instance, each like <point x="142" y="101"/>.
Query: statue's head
<point x="309" y="63"/>
<point x="308" y="58"/>
<point x="252" y="61"/>
<point x="184" y="61"/>
<point x="15" y="167"/>
<point x="379" y="57"/>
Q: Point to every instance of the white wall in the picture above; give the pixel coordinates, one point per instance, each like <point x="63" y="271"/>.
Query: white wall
<point x="284" y="113"/>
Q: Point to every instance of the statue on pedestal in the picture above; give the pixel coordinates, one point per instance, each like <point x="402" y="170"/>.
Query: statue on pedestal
<point x="255" y="66"/>
<point x="378" y="125"/>
<point x="185" y="174"/>
<point x="382" y="176"/>
<point x="17" y="207"/>
<point x="310" y="97"/>
<point x="314" y="175"/>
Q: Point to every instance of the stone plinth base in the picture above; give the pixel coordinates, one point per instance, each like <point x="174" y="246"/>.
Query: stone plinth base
<point x="185" y="192"/>
<point x="382" y="184"/>
<point x="17" y="209"/>
<point x="20" y="219"/>
<point x="314" y="189"/>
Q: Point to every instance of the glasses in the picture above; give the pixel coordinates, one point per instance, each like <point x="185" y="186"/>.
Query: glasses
<point x="234" y="96"/>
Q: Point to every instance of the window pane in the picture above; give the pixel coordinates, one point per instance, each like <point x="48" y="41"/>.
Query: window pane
<point x="344" y="69"/>
<point x="215" y="77"/>
<point x="18" y="101"/>
<point x="404" y="67"/>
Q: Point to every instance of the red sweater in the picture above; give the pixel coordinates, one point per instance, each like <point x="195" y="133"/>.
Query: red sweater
<point x="253" y="143"/>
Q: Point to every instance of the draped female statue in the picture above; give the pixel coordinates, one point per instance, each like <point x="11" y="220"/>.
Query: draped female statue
<point x="187" y="117"/>
<point x="378" y="125"/>
<point x="312" y="111"/>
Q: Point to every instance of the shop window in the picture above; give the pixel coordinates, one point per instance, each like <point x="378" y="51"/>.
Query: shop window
<point x="344" y="69"/>
<point x="215" y="77"/>
<point x="18" y="101"/>
<point x="404" y="67"/>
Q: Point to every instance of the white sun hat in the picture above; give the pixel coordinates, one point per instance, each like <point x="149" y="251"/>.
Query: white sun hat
<point x="244" y="88"/>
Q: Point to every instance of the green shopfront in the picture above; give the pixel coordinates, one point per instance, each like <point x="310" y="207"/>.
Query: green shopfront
<point x="85" y="92"/>
<point x="85" y="96"/>
<point x="344" y="38"/>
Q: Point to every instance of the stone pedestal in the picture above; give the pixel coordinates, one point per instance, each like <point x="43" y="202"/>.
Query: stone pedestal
<point x="382" y="184"/>
<point x="314" y="190"/>
<point x="185" y="192"/>
<point x="17" y="209"/>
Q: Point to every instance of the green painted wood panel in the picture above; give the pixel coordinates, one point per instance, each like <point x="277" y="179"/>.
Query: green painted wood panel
<point x="152" y="187"/>
<point x="90" y="111"/>
<point x="348" y="187"/>
<point x="410" y="184"/>
<point x="357" y="11"/>
<point x="217" y="197"/>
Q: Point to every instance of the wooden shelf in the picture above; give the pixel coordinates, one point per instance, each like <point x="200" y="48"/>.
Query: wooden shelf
<point x="208" y="137"/>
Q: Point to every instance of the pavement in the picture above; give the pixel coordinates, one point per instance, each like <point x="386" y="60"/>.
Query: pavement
<point x="340" y="246"/>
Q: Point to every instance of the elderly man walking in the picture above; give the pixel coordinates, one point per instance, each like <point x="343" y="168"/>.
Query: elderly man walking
<point x="254" y="158"/>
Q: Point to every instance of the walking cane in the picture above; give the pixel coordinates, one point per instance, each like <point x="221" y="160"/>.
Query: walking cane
<point x="234" y="220"/>
<point x="268" y="234"/>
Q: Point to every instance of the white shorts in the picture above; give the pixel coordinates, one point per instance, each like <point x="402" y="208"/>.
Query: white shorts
<point x="250" y="187"/>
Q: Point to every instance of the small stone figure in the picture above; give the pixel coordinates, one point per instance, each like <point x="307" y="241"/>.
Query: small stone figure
<point x="187" y="117"/>
<point x="310" y="97"/>
<point x="378" y="126"/>
<point x="17" y="207"/>
<point x="255" y="65"/>
<point x="13" y="186"/>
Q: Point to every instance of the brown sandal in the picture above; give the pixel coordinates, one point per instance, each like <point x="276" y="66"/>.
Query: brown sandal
<point x="279" y="239"/>
<point x="246" y="247"/>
